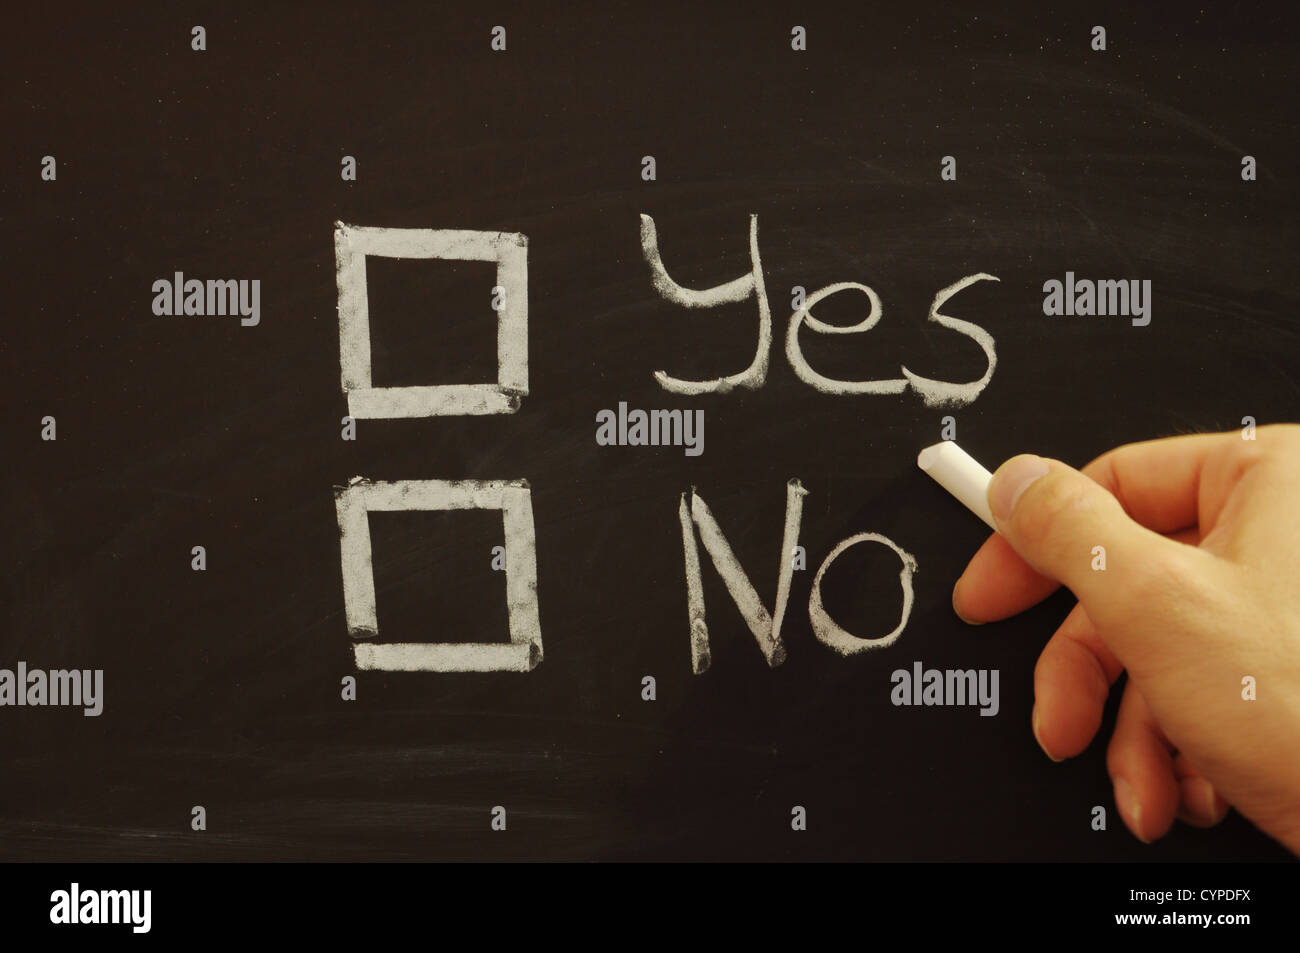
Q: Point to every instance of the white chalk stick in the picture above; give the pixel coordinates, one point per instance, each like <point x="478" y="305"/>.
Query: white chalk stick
<point x="957" y="472"/>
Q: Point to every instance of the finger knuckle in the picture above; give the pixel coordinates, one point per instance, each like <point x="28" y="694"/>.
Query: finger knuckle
<point x="1285" y="437"/>
<point x="1157" y="578"/>
<point x="1240" y="457"/>
<point x="1247" y="452"/>
<point x="1049" y="508"/>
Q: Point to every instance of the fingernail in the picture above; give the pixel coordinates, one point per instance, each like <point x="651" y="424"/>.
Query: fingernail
<point x="957" y="609"/>
<point x="1011" y="480"/>
<point x="1128" y="805"/>
<point x="1039" y="738"/>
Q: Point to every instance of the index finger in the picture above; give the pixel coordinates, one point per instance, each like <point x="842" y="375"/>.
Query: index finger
<point x="1156" y="481"/>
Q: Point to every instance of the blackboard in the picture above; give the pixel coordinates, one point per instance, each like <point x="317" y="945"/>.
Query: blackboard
<point x="223" y="688"/>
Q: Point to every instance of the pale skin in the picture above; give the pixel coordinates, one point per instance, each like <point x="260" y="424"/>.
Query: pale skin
<point x="1201" y="589"/>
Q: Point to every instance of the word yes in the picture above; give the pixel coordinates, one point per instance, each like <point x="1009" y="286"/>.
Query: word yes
<point x="933" y="392"/>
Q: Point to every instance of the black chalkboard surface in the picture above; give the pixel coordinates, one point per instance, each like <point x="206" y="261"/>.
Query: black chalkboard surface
<point x="224" y="688"/>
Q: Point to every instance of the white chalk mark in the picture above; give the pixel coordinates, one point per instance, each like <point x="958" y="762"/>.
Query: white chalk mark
<point x="736" y="290"/>
<point x="961" y="475"/>
<point x="352" y="243"/>
<point x="794" y="494"/>
<point x="699" y="630"/>
<point x="356" y="501"/>
<point x="943" y="393"/>
<point x="829" y="385"/>
<point x="443" y="400"/>
<point x="521" y="568"/>
<point x="358" y="568"/>
<point x="766" y="627"/>
<point x="828" y="631"/>
<point x="425" y="657"/>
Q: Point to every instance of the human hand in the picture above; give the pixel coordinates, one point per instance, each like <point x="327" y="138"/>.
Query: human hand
<point x="1201" y="588"/>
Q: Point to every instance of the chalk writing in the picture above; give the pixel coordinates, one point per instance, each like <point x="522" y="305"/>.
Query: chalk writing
<point x="933" y="392"/>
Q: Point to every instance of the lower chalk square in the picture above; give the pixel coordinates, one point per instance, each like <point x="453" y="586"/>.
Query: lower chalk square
<point x="360" y="498"/>
<point x="447" y="656"/>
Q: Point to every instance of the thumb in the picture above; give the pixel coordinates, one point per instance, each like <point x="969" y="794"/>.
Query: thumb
<point x="1072" y="529"/>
